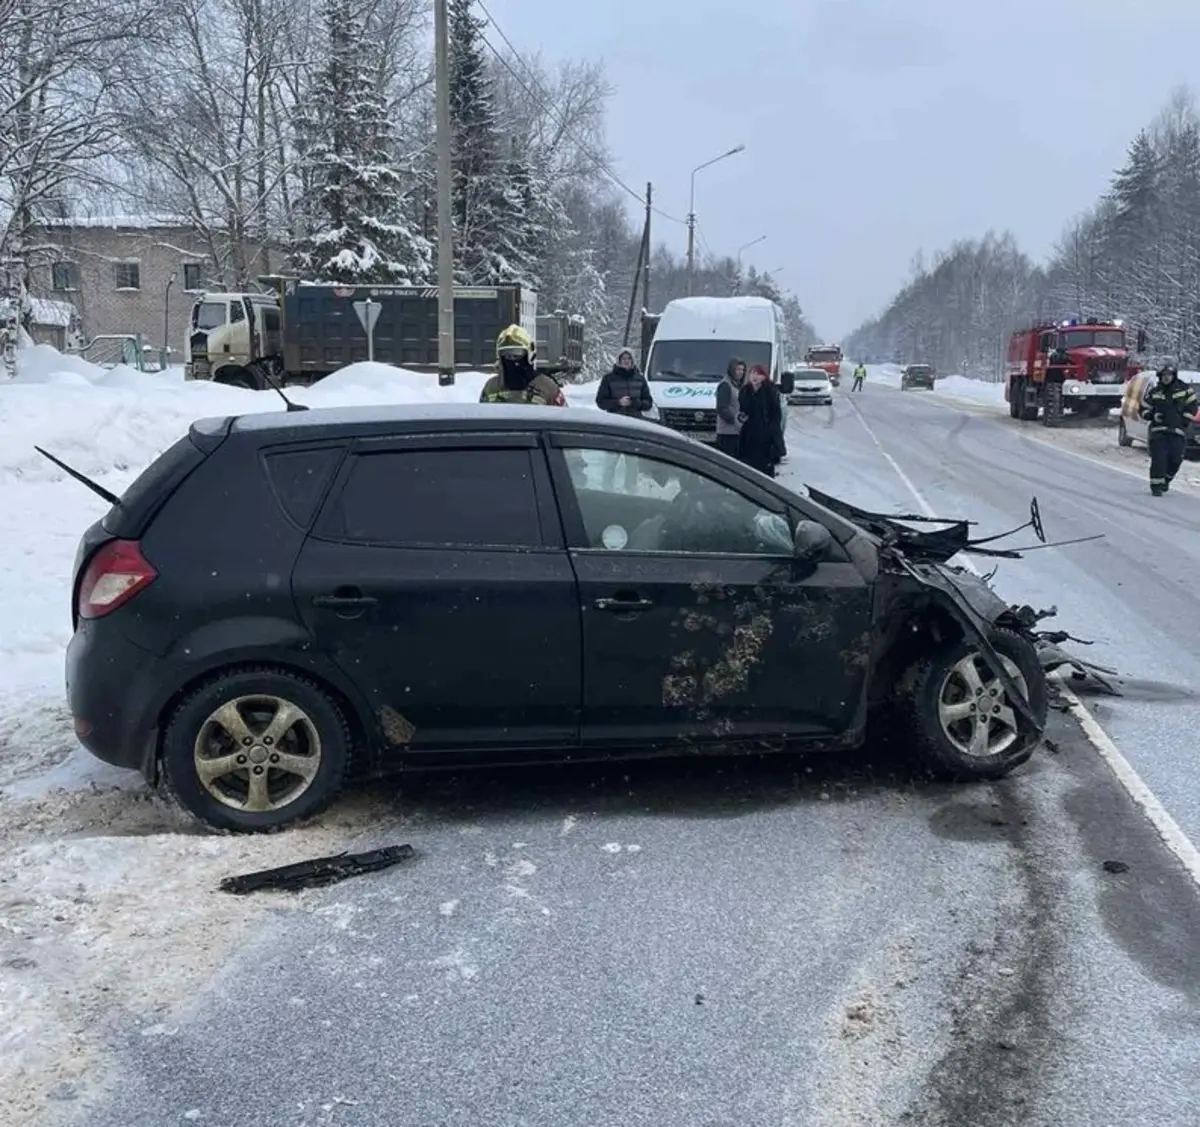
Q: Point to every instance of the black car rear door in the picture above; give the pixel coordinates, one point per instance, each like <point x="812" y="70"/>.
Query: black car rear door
<point x="698" y="620"/>
<point x="437" y="578"/>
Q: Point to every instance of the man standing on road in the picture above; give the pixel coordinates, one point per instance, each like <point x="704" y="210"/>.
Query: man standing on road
<point x="729" y="412"/>
<point x="624" y="390"/>
<point x="860" y="374"/>
<point x="1170" y="407"/>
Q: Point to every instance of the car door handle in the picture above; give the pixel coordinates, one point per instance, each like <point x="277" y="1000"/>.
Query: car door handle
<point x="346" y="599"/>
<point x="622" y="606"/>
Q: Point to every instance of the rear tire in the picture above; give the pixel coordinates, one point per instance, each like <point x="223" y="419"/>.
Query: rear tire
<point x="947" y="693"/>
<point x="254" y="750"/>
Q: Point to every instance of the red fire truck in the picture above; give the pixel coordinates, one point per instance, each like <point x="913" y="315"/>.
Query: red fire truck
<point x="827" y="357"/>
<point x="1079" y="365"/>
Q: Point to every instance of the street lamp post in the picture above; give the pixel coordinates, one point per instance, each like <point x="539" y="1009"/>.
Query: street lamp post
<point x="737" y="282"/>
<point x="691" y="219"/>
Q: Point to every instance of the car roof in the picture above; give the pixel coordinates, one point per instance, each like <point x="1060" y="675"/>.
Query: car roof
<point x="329" y="422"/>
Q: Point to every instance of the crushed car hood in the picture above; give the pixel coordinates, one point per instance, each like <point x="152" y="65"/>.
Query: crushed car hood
<point x="938" y="545"/>
<point x="925" y="555"/>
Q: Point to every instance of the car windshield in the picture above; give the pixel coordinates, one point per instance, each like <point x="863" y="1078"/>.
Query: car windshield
<point x="209" y="315"/>
<point x="810" y="374"/>
<point x="1092" y="338"/>
<point x="704" y="361"/>
<point x="824" y="355"/>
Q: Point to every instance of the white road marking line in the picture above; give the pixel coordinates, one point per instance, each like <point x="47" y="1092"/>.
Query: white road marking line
<point x="1166" y="827"/>
<point x="1168" y="830"/>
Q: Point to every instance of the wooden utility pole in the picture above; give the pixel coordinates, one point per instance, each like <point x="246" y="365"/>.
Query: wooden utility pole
<point x="641" y="272"/>
<point x="646" y="243"/>
<point x="445" y="248"/>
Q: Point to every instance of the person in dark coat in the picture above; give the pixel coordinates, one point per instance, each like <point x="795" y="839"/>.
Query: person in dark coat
<point x="761" y="439"/>
<point x="1170" y="407"/>
<point x="624" y="390"/>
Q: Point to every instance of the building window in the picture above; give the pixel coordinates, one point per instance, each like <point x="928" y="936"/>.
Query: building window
<point x="64" y="276"/>
<point x="127" y="275"/>
<point x="192" y="280"/>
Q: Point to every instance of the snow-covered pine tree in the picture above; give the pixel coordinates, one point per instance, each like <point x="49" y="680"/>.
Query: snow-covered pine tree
<point x="356" y="229"/>
<point x="491" y="189"/>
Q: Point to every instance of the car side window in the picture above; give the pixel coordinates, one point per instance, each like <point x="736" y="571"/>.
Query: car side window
<point x="481" y="498"/>
<point x="633" y="503"/>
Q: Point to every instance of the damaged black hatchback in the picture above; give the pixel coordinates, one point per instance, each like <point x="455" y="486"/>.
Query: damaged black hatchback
<point x="282" y="601"/>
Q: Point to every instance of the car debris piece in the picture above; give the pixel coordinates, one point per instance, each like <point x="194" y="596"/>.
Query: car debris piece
<point x="318" y="871"/>
<point x="1115" y="867"/>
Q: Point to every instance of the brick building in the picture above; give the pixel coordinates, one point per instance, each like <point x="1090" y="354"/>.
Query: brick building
<point x="130" y="275"/>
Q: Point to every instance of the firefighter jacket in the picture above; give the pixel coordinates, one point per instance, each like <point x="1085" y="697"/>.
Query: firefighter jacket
<point x="1169" y="407"/>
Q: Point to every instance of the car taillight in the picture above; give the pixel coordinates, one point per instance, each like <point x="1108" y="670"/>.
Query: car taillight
<point x="116" y="573"/>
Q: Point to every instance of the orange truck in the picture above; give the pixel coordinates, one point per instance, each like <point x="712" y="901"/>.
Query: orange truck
<point x="827" y="357"/>
<point x="1078" y="366"/>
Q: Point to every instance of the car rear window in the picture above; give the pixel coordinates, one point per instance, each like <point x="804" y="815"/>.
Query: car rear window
<point x="426" y="498"/>
<point x="299" y="478"/>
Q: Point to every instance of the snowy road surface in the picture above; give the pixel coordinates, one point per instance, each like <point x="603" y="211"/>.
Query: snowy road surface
<point x="776" y="942"/>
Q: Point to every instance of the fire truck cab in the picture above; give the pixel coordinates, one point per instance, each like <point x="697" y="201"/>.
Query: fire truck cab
<point x="1078" y="365"/>
<point x="827" y="357"/>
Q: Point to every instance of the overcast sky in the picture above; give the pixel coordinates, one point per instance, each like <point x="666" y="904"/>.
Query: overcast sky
<point x="872" y="127"/>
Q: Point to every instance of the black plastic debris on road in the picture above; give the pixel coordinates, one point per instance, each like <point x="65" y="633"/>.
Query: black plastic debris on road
<point x="318" y="871"/>
<point x="1115" y="867"/>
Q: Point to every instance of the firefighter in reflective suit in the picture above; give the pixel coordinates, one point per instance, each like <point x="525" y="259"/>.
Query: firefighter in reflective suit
<point x="1170" y="407"/>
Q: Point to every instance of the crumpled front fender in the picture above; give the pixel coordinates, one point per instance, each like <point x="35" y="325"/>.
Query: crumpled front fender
<point x="976" y="608"/>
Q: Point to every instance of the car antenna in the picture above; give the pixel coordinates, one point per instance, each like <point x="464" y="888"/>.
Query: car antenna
<point x="279" y="391"/>
<point x="83" y="479"/>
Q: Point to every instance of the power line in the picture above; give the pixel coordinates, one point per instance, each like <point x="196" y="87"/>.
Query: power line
<point x="542" y="100"/>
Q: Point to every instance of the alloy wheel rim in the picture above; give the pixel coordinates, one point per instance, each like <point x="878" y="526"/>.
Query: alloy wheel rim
<point x="974" y="711"/>
<point x="257" y="753"/>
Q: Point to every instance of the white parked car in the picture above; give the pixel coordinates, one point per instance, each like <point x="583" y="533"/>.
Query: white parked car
<point x="1131" y="427"/>
<point x="812" y="387"/>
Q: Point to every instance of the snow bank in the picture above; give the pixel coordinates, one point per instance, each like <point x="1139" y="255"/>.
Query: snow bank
<point x="951" y="385"/>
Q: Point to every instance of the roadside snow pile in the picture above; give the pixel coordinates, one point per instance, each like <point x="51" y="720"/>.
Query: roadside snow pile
<point x="952" y="386"/>
<point x="979" y="391"/>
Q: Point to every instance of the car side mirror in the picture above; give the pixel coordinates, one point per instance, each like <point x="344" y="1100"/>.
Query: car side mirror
<point x="811" y="541"/>
<point x="787" y="383"/>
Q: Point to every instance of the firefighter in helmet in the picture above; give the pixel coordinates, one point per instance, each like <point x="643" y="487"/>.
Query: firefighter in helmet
<point x="516" y="380"/>
<point x="1170" y="407"/>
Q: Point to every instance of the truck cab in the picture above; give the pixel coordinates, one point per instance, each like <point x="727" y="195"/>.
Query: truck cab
<point x="232" y="337"/>
<point x="1079" y="366"/>
<point x="827" y="357"/>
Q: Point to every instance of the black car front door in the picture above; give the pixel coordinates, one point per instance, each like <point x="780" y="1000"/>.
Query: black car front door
<point x="698" y="620"/>
<point x="437" y="578"/>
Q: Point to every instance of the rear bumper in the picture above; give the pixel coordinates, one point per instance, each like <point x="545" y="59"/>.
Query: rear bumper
<point x="113" y="691"/>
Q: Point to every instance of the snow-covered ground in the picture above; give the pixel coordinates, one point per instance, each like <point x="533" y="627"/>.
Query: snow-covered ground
<point x="1093" y="438"/>
<point x="98" y="879"/>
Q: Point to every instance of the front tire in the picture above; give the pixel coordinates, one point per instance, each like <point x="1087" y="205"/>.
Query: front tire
<point x="960" y="723"/>
<point x="254" y="750"/>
